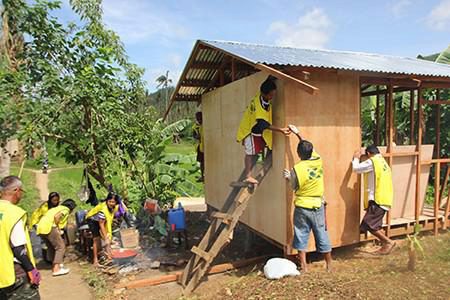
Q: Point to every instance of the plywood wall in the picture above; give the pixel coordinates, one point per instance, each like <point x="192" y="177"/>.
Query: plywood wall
<point x="224" y="157"/>
<point x="330" y="120"/>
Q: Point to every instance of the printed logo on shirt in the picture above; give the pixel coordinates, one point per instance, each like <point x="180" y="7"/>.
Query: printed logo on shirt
<point x="315" y="173"/>
<point x="1" y="216"/>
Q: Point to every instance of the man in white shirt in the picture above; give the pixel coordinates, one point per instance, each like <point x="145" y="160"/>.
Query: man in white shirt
<point x="378" y="194"/>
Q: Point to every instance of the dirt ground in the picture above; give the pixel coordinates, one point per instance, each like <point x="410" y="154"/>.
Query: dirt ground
<point x="357" y="275"/>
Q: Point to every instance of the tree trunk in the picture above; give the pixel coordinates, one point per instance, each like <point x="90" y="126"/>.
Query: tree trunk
<point x="5" y="162"/>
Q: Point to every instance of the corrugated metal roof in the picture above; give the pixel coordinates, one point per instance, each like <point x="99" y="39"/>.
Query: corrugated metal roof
<point x="345" y="60"/>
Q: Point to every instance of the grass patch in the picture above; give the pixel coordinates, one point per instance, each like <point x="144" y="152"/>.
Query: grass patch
<point x="185" y="147"/>
<point x="30" y="199"/>
<point x="97" y="282"/>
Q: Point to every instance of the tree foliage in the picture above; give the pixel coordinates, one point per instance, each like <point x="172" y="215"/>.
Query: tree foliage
<point x="77" y="86"/>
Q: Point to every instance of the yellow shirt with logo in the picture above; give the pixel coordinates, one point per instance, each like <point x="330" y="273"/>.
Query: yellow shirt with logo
<point x="310" y="182"/>
<point x="38" y="213"/>
<point x="253" y="112"/>
<point x="198" y="129"/>
<point x="9" y="216"/>
<point x="384" y="190"/>
<point x="48" y="220"/>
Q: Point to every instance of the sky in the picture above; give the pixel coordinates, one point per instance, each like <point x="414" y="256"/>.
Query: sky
<point x="159" y="35"/>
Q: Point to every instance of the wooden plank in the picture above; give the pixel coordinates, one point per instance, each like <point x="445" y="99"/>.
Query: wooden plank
<point x="377" y="118"/>
<point x="176" y="275"/>
<point x="444" y="185"/>
<point x="419" y="156"/>
<point x="437" y="178"/>
<point x="433" y="161"/>
<point x="438" y="128"/>
<point x="203" y="254"/>
<point x="411" y="117"/>
<point x="280" y="75"/>
<point x="334" y="122"/>
<point x="195" y="83"/>
<point x="390" y="145"/>
<point x="384" y="91"/>
<point x="400" y="154"/>
<point x="233" y="69"/>
<point x="223" y="216"/>
<point x="437" y="102"/>
<point x="405" y="82"/>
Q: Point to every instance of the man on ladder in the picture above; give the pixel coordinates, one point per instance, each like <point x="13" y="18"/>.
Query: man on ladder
<point x="255" y="129"/>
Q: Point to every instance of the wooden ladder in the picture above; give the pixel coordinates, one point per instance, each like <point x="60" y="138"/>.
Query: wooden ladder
<point x="220" y="232"/>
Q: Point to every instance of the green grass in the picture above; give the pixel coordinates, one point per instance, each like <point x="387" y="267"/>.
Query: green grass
<point x="30" y="198"/>
<point x="184" y="147"/>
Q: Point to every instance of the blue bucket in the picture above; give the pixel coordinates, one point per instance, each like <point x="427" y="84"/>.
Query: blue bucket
<point x="177" y="218"/>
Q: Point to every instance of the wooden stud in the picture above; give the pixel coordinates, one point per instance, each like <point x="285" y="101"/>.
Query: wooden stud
<point x="438" y="127"/>
<point x="411" y="117"/>
<point x="233" y="69"/>
<point x="433" y="161"/>
<point x="280" y="75"/>
<point x="383" y="91"/>
<point x="437" y="178"/>
<point x="444" y="185"/>
<point x="377" y="115"/>
<point x="390" y="145"/>
<point x="419" y="155"/>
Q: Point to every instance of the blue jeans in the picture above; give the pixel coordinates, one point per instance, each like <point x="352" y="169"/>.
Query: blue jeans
<point x="306" y="220"/>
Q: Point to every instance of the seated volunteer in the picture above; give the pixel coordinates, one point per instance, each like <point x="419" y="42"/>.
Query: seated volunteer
<point x="306" y="180"/>
<point x="19" y="278"/>
<point x="197" y="131"/>
<point x="53" y="201"/>
<point x="100" y="220"/>
<point x="49" y="229"/>
<point x="255" y="129"/>
<point x="378" y="194"/>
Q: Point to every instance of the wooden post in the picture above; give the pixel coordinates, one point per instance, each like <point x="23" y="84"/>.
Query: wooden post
<point x="438" y="127"/>
<point x="386" y="119"/>
<point x="419" y="154"/>
<point x="437" y="179"/>
<point x="390" y="143"/>
<point x="411" y="117"/>
<point x="377" y="114"/>
<point x="233" y="69"/>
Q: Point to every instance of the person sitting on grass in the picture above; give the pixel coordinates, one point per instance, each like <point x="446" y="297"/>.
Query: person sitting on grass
<point x="53" y="201"/>
<point x="255" y="129"/>
<point x="100" y="220"/>
<point x="50" y="229"/>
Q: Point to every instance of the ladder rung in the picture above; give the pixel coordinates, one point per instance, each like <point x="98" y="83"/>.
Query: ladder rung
<point x="225" y="218"/>
<point x="240" y="184"/>
<point x="203" y="254"/>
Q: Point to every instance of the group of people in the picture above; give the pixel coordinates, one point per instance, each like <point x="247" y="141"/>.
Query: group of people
<point x="19" y="276"/>
<point x="307" y="180"/>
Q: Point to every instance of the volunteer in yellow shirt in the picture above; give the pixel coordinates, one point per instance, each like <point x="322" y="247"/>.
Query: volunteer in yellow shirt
<point x="53" y="201"/>
<point x="197" y="131"/>
<point x="100" y="220"/>
<point x="49" y="229"/>
<point x="378" y="194"/>
<point x="19" y="277"/>
<point x="255" y="129"/>
<point x="307" y="181"/>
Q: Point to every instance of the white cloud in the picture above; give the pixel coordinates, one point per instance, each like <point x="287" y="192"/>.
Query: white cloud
<point x="398" y="7"/>
<point x="138" y="20"/>
<point x="311" y="30"/>
<point x="439" y="17"/>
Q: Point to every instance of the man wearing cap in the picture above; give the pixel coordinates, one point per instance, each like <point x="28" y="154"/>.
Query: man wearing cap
<point x="378" y="194"/>
<point x="19" y="278"/>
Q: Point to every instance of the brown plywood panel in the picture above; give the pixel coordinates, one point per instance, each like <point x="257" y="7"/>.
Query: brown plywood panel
<point x="330" y="120"/>
<point x="224" y="157"/>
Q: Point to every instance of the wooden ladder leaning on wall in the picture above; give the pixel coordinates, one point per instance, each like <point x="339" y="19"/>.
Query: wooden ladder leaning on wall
<point x="220" y="232"/>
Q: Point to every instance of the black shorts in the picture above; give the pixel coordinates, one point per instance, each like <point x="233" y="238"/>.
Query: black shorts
<point x="94" y="228"/>
<point x="200" y="156"/>
<point x="373" y="219"/>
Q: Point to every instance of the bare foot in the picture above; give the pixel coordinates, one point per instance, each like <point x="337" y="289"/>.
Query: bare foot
<point x="251" y="180"/>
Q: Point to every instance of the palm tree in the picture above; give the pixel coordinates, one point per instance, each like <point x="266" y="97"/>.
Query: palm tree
<point x="163" y="82"/>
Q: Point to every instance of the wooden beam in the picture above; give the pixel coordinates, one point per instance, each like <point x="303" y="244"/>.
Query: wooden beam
<point x="176" y="275"/>
<point x="444" y="185"/>
<point x="233" y="69"/>
<point x="218" y="75"/>
<point x="400" y="154"/>
<point x="188" y="98"/>
<point x="195" y="83"/>
<point x="411" y="117"/>
<point x="406" y="82"/>
<point x="434" y="161"/>
<point x="280" y="75"/>
<point x="363" y="88"/>
<point x="439" y="102"/>
<point x="438" y="127"/>
<point x="419" y="155"/>
<point x="377" y="116"/>
<point x="435" y="85"/>
<point x="390" y="145"/>
<point x="204" y="66"/>
<point x="383" y="91"/>
<point x="437" y="183"/>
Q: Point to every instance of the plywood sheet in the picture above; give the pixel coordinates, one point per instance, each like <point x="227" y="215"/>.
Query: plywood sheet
<point x="224" y="157"/>
<point x="330" y="120"/>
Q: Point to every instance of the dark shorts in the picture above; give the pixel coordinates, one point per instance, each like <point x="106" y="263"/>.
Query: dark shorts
<point x="373" y="219"/>
<point x="94" y="228"/>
